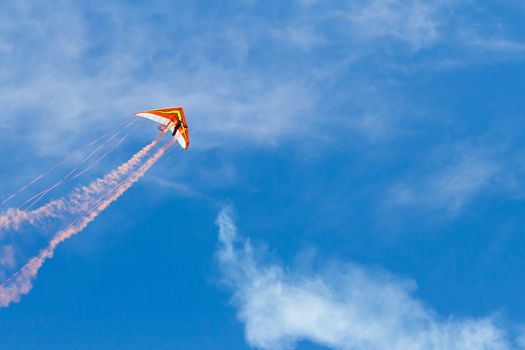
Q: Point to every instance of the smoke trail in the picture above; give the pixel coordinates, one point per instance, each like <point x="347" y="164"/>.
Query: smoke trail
<point x="35" y="180"/>
<point x="20" y="283"/>
<point x="36" y="198"/>
<point x="102" y="157"/>
<point x="80" y="198"/>
<point x="121" y="127"/>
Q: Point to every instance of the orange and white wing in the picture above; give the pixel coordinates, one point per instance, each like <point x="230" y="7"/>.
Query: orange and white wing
<point x="170" y="114"/>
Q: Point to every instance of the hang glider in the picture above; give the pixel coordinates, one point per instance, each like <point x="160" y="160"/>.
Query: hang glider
<point x="172" y="119"/>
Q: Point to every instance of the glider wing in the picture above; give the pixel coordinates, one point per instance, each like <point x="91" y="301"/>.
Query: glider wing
<point x="173" y="119"/>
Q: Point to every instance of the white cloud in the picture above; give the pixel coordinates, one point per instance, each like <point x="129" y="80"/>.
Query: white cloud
<point x="366" y="25"/>
<point x="64" y="72"/>
<point x="52" y="79"/>
<point x="465" y="176"/>
<point x="415" y="22"/>
<point x="303" y="36"/>
<point x="375" y="26"/>
<point x="346" y="306"/>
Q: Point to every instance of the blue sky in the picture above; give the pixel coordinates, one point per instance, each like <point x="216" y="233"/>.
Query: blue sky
<point x="354" y="179"/>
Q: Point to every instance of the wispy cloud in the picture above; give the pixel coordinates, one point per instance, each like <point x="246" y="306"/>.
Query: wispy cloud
<point x="83" y="76"/>
<point x="414" y="22"/>
<point x="92" y="64"/>
<point x="345" y="306"/>
<point x="450" y="187"/>
<point x="389" y="29"/>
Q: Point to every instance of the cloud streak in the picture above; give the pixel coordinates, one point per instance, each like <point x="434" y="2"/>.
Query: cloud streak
<point x="345" y="306"/>
<point x="465" y="174"/>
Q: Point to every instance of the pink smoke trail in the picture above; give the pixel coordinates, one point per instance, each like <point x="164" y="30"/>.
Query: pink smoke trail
<point x="48" y="171"/>
<point x="36" y="198"/>
<point x="20" y="283"/>
<point x="78" y="199"/>
<point x="101" y="157"/>
<point x="39" y="177"/>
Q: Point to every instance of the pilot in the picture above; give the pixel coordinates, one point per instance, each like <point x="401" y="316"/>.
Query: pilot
<point x="178" y="124"/>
